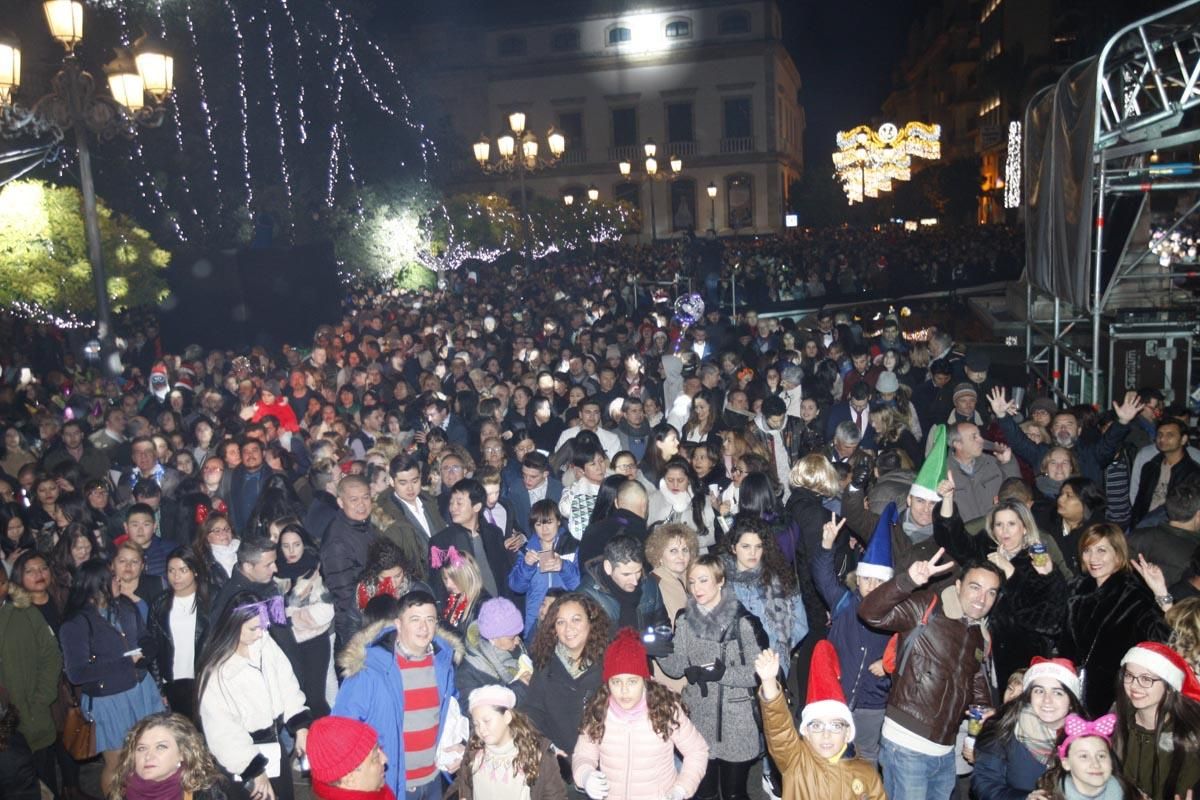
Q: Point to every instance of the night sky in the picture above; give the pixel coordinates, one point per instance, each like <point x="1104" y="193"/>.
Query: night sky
<point x="846" y="72"/>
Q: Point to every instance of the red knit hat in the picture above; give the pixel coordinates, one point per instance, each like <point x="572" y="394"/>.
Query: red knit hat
<point x="336" y="746"/>
<point x="1166" y="664"/>
<point x="626" y="656"/>
<point x="825" y="697"/>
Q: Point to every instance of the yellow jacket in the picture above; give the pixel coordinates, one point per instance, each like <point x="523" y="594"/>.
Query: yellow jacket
<point x="807" y="776"/>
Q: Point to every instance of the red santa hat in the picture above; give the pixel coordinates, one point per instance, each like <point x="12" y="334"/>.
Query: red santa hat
<point x="1166" y="664"/>
<point x="825" y="698"/>
<point x="1060" y="669"/>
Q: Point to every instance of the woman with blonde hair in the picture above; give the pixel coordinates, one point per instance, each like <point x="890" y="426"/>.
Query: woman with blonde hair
<point x="165" y="758"/>
<point x="1184" y="619"/>
<point x="1026" y="620"/>
<point x="670" y="549"/>
<point x="893" y="431"/>
<point x="464" y="588"/>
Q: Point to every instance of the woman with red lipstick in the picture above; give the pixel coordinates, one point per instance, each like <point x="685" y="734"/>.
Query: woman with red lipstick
<point x="1109" y="610"/>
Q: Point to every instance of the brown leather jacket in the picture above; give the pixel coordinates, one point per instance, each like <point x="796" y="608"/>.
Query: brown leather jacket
<point x="947" y="666"/>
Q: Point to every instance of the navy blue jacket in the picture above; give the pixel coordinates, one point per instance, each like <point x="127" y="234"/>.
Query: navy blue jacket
<point x="839" y="413"/>
<point x="94" y="649"/>
<point x="1005" y="773"/>
<point x="518" y="498"/>
<point x="857" y="645"/>
<point x="1093" y="457"/>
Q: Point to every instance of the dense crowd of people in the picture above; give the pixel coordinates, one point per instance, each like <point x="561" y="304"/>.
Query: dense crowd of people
<point x="536" y="536"/>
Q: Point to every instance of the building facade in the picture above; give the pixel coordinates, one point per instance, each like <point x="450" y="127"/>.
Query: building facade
<point x="708" y="82"/>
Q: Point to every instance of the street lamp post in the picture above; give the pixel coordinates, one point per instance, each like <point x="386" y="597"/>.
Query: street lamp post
<point x="74" y="102"/>
<point x="526" y="160"/>
<point x="712" y="203"/>
<point x="652" y="175"/>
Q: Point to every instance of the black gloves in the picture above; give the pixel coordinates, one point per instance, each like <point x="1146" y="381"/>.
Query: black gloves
<point x="661" y="647"/>
<point x="705" y="675"/>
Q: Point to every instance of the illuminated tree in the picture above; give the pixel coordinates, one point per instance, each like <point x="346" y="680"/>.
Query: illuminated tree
<point x="43" y="252"/>
<point x="384" y="233"/>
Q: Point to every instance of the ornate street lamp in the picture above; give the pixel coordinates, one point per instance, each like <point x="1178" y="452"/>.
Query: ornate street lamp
<point x="653" y="174"/>
<point x="528" y="159"/>
<point x="75" y="102"/>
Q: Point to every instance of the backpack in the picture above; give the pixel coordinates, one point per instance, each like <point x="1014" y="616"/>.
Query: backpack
<point x="890" y="651"/>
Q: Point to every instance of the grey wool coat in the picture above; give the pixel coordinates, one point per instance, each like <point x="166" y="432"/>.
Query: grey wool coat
<point x="727" y="716"/>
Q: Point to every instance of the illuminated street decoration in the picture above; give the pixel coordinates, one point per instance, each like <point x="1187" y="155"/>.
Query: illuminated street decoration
<point x="867" y="160"/>
<point x="1012" y="167"/>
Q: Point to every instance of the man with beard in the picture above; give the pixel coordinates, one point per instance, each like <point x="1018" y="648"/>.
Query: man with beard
<point x="1093" y="457"/>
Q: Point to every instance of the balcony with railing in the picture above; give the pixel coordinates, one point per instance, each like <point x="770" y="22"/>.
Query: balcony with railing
<point x="626" y="152"/>
<point x="575" y="155"/>
<point x="737" y="144"/>
<point x="681" y="149"/>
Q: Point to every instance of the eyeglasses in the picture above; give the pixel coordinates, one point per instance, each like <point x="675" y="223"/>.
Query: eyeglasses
<point x="1144" y="681"/>
<point x="739" y="470"/>
<point x="836" y="726"/>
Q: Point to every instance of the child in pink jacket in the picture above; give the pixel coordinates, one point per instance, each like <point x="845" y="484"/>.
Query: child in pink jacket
<point x="631" y="729"/>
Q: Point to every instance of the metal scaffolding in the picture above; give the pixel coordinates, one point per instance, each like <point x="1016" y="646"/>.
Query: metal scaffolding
<point x="1146" y="81"/>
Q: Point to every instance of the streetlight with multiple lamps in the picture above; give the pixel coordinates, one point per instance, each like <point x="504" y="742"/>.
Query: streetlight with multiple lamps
<point x="527" y="160"/>
<point x="75" y="102"/>
<point x="652" y="175"/>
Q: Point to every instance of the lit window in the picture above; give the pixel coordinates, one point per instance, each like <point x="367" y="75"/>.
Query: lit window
<point x="989" y="105"/>
<point x="619" y="35"/>
<point x="679" y="29"/>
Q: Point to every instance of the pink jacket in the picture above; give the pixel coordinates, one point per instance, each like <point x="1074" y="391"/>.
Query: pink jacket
<point x="638" y="763"/>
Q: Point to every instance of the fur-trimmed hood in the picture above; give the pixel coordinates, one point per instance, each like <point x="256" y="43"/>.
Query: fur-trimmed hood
<point x="18" y="596"/>
<point x="353" y="657"/>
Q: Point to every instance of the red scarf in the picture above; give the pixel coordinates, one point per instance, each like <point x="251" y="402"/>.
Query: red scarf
<point x="455" y="609"/>
<point x="327" y="791"/>
<point x="169" y="788"/>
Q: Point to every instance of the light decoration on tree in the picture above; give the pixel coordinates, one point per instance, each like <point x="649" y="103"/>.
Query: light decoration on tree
<point x="868" y="160"/>
<point x="243" y="103"/>
<point x="1012" y="167"/>
<point x="205" y="114"/>
<point x="284" y="172"/>
<point x="309" y="59"/>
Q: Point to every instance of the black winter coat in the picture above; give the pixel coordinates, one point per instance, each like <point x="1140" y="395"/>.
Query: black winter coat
<point x="159" y="639"/>
<point x="555" y="701"/>
<point x="1102" y="623"/>
<point x="1027" y="619"/>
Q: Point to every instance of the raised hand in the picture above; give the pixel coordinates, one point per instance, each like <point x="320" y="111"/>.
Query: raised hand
<point x="1152" y="574"/>
<point x="1130" y="408"/>
<point x="922" y="572"/>
<point x="767" y="665"/>
<point x="998" y="402"/>
<point x="830" y="531"/>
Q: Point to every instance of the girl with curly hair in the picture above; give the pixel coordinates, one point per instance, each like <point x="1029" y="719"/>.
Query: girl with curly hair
<point x="765" y="584"/>
<point x="632" y="727"/>
<point x="568" y="652"/>
<point x="165" y="758"/>
<point x="506" y="757"/>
